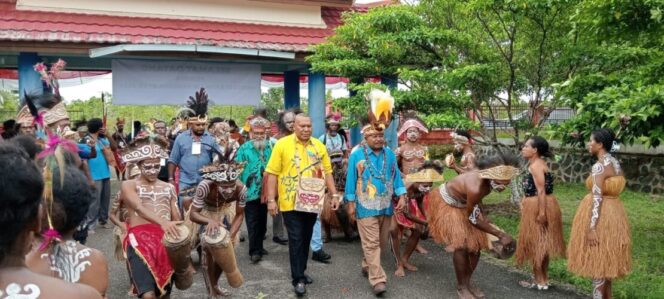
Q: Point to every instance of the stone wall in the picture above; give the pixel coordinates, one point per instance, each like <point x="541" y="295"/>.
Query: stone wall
<point x="644" y="173"/>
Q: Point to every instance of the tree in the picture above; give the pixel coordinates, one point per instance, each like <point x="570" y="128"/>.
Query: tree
<point x="618" y="76"/>
<point x="452" y="56"/>
<point x="273" y="101"/>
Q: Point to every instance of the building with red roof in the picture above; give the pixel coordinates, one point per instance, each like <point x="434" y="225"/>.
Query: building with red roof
<point x="90" y="35"/>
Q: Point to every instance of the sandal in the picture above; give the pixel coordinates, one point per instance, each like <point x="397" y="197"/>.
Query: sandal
<point x="530" y="284"/>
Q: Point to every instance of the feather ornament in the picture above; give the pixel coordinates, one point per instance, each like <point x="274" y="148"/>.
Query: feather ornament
<point x="381" y="106"/>
<point x="199" y="102"/>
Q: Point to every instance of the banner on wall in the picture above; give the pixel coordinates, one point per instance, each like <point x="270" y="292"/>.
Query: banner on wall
<point x="150" y="82"/>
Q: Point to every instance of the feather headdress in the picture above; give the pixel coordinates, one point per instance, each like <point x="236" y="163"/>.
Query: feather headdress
<point x="381" y="104"/>
<point x="199" y="104"/>
<point x="47" y="109"/>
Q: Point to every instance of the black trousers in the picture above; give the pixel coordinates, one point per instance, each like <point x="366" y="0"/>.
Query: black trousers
<point x="300" y="227"/>
<point x="255" y="215"/>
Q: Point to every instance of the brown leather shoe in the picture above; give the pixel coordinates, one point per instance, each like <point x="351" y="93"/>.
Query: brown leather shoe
<point x="379" y="288"/>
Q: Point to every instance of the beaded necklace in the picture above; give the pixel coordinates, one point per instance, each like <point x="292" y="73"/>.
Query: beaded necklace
<point x="373" y="170"/>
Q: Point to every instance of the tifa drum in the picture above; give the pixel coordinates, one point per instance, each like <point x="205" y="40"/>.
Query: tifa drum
<point x="178" y="250"/>
<point x="497" y="249"/>
<point x="220" y="246"/>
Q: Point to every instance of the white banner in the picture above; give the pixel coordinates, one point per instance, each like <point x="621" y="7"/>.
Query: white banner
<point x="150" y="82"/>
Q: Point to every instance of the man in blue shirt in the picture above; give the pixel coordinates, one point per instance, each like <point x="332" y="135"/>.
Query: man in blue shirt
<point x="372" y="179"/>
<point x="191" y="150"/>
<point x="101" y="175"/>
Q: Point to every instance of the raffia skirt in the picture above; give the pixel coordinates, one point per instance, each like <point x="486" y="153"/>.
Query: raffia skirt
<point x="450" y="225"/>
<point x="611" y="258"/>
<point x="328" y="215"/>
<point x="535" y="240"/>
<point x="118" y="236"/>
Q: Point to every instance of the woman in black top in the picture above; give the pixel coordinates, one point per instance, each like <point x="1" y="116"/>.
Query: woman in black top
<point x="540" y="231"/>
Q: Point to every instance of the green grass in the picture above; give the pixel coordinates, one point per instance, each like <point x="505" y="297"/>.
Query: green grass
<point x="647" y="226"/>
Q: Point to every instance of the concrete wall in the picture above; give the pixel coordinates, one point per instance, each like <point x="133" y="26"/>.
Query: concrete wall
<point x="218" y="10"/>
<point x="644" y="172"/>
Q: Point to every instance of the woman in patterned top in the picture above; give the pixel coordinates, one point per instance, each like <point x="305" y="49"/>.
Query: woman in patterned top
<point x="600" y="243"/>
<point x="541" y="228"/>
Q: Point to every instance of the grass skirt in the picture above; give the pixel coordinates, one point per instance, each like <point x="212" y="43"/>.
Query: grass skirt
<point x="450" y="225"/>
<point x="535" y="241"/>
<point x="612" y="257"/>
<point x="329" y="216"/>
<point x="118" y="253"/>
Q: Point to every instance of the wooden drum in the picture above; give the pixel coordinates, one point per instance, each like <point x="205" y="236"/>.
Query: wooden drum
<point x="220" y="246"/>
<point x="497" y="249"/>
<point x="179" y="253"/>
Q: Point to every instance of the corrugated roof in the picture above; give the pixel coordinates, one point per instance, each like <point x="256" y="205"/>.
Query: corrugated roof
<point x="26" y="25"/>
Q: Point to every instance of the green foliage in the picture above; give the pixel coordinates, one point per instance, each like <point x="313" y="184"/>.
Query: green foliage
<point x="452" y="56"/>
<point x="619" y="66"/>
<point x="8" y="105"/>
<point x="93" y="108"/>
<point x="449" y="120"/>
<point x="8" y="100"/>
<point x="273" y="101"/>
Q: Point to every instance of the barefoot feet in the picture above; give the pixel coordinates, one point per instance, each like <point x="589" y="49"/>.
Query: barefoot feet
<point x="421" y="249"/>
<point x="465" y="294"/>
<point x="410" y="267"/>
<point x="400" y="272"/>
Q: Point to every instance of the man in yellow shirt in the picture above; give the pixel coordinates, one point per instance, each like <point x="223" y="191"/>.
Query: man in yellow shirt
<point x="294" y="156"/>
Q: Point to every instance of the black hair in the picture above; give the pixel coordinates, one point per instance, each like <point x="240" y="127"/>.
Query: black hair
<point x="605" y="137"/>
<point x="21" y="187"/>
<point x="463" y="133"/>
<point x="215" y="120"/>
<point x="137" y="126"/>
<point x="9" y="124"/>
<point x="433" y="164"/>
<point x="79" y="123"/>
<point x="71" y="199"/>
<point x="27" y="144"/>
<point x="159" y="121"/>
<point x="260" y="111"/>
<point x="541" y="145"/>
<point x="46" y="99"/>
<point x="280" y="122"/>
<point x="232" y="124"/>
<point x="94" y="125"/>
<point x="500" y="158"/>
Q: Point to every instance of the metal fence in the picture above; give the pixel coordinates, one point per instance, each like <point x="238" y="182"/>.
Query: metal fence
<point x="522" y="114"/>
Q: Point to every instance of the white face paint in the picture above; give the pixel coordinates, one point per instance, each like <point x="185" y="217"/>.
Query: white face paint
<point x="150" y="169"/>
<point x="14" y="291"/>
<point x="227" y="190"/>
<point x="289" y="120"/>
<point x="458" y="147"/>
<point x="413" y="134"/>
<point x="497" y="187"/>
<point x="423" y="188"/>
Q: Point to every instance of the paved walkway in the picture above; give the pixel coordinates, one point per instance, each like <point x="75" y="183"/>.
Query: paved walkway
<point x="341" y="278"/>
